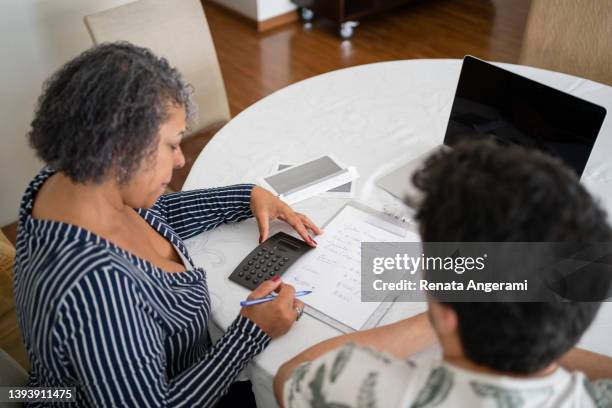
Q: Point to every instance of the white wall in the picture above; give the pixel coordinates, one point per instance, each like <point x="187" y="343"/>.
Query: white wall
<point x="36" y="38"/>
<point x="267" y="9"/>
<point x="258" y="10"/>
<point x="247" y="8"/>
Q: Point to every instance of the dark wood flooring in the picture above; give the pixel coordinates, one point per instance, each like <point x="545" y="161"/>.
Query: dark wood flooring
<point x="256" y="64"/>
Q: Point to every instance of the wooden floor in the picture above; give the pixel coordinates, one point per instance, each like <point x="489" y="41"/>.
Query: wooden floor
<point x="256" y="64"/>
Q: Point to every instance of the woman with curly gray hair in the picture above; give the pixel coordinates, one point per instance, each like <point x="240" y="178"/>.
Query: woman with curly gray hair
<point x="109" y="300"/>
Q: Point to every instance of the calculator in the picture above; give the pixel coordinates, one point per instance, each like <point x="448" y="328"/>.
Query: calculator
<point x="271" y="258"/>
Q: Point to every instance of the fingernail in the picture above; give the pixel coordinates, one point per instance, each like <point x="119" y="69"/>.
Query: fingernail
<point x="276" y="278"/>
<point x="315" y="242"/>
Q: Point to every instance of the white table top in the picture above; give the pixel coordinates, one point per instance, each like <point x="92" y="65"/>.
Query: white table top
<point x="372" y="117"/>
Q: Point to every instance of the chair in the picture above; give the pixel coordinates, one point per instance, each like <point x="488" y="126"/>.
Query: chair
<point x="571" y="36"/>
<point x="13" y="357"/>
<point x="178" y="31"/>
<point x="11" y="373"/>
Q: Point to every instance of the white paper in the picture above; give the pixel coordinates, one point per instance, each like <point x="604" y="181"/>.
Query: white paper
<point x="333" y="270"/>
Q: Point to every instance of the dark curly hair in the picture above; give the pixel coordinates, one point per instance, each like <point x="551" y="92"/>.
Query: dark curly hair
<point x="483" y="192"/>
<point x="101" y="112"/>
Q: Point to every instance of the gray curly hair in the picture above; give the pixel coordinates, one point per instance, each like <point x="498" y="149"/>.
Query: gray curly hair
<point x="99" y="115"/>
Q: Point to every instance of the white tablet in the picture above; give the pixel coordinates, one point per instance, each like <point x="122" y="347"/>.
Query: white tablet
<point x="308" y="179"/>
<point x="346" y="190"/>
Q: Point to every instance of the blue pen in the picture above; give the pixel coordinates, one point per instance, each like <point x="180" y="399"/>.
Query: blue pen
<point x="270" y="298"/>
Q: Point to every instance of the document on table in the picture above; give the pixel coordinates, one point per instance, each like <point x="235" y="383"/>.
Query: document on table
<point x="333" y="270"/>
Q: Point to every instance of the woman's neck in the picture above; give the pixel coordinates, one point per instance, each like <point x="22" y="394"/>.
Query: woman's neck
<point x="61" y="199"/>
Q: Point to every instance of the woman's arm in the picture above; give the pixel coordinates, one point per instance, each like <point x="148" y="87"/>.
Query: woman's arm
<point x="402" y="339"/>
<point x="594" y="365"/>
<point x="191" y="212"/>
<point x="114" y="345"/>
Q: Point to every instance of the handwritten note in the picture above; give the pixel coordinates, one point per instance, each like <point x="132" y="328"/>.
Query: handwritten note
<point x="333" y="270"/>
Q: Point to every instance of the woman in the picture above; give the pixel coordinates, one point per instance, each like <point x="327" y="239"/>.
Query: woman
<point x="109" y="300"/>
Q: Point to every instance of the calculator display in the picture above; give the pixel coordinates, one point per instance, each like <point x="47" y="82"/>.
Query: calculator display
<point x="285" y="244"/>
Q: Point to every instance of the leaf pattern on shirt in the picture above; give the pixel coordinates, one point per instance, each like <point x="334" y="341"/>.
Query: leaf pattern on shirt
<point x="366" y="397"/>
<point x="318" y="397"/>
<point x="340" y="361"/>
<point x="600" y="391"/>
<point x="508" y="397"/>
<point x="382" y="357"/>
<point x="436" y="389"/>
<point x="296" y="379"/>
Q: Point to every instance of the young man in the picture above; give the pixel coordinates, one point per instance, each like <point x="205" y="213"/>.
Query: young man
<point x="494" y="354"/>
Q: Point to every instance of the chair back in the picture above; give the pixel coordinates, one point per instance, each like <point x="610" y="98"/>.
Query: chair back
<point x="570" y="36"/>
<point x="178" y="31"/>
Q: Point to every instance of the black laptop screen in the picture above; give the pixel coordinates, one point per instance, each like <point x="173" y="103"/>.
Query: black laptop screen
<point x="491" y="102"/>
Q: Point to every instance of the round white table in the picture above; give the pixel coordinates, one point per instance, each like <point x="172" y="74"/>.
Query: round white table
<point x="371" y="117"/>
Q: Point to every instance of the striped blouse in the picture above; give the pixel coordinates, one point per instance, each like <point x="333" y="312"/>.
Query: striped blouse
<point x="116" y="327"/>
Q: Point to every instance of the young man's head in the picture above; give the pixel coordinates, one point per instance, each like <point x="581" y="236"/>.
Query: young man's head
<point x="482" y="192"/>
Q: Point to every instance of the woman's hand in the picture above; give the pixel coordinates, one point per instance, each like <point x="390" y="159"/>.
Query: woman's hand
<point x="277" y="316"/>
<point x="265" y="207"/>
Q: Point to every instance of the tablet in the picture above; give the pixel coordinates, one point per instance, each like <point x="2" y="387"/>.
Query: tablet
<point x="345" y="190"/>
<point x="305" y="180"/>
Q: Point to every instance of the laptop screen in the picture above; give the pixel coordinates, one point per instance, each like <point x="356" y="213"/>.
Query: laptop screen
<point x="491" y="102"/>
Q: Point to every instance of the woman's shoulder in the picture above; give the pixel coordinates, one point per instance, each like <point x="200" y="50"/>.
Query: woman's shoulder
<point x="50" y="267"/>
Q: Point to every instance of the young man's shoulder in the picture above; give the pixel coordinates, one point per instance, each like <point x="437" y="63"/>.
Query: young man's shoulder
<point x="355" y="376"/>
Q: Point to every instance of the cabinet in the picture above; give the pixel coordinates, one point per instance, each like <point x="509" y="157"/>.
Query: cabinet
<point x="346" y="13"/>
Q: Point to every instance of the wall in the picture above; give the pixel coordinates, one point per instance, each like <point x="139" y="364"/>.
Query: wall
<point x="267" y="9"/>
<point x="247" y="8"/>
<point x="258" y="10"/>
<point x="36" y="38"/>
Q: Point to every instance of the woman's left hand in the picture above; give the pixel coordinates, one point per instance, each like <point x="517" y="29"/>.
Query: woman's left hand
<point x="265" y="207"/>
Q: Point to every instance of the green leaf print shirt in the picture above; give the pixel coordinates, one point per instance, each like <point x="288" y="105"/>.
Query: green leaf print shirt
<point x="354" y="376"/>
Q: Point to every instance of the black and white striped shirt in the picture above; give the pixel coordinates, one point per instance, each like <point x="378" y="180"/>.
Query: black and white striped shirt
<point x="121" y="330"/>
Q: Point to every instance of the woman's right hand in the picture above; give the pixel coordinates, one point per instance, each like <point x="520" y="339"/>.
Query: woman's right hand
<point x="277" y="316"/>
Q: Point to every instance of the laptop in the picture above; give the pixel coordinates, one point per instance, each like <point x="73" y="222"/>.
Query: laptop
<point x="493" y="103"/>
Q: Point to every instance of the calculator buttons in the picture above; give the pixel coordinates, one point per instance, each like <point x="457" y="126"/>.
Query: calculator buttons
<point x="269" y="260"/>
